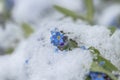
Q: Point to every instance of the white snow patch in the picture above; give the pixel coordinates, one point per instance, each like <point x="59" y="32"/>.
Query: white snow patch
<point x="109" y="14"/>
<point x="46" y="64"/>
<point x="11" y="35"/>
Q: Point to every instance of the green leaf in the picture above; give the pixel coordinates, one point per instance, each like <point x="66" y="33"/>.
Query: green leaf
<point x="96" y="68"/>
<point x="68" y="12"/>
<point x="112" y="30"/>
<point x="108" y="65"/>
<point x="27" y="29"/>
<point x="90" y="10"/>
<point x="74" y="15"/>
<point x="94" y="50"/>
<point x="73" y="44"/>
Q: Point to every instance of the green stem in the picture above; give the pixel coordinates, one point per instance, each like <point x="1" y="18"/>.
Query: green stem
<point x="90" y="10"/>
<point x="68" y="12"/>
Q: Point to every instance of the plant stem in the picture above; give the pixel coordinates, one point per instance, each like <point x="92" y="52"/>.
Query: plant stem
<point x="90" y="10"/>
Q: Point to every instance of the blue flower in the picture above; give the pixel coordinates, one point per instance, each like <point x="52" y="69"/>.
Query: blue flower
<point x="57" y="38"/>
<point x="98" y="76"/>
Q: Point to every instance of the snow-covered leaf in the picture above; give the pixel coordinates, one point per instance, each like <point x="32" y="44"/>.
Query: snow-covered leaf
<point x="94" y="50"/>
<point x="112" y="29"/>
<point x="107" y="64"/>
<point x="96" y="68"/>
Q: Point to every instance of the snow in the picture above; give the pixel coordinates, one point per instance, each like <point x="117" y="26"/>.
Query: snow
<point x="12" y="66"/>
<point x="43" y="63"/>
<point x="11" y="35"/>
<point x="37" y="9"/>
<point x="36" y="59"/>
<point x="46" y="64"/>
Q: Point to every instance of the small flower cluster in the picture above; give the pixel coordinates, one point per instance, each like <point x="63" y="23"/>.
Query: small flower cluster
<point x="61" y="41"/>
<point x="98" y="76"/>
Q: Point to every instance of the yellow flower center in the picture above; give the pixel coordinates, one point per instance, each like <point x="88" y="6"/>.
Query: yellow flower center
<point x="58" y="37"/>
